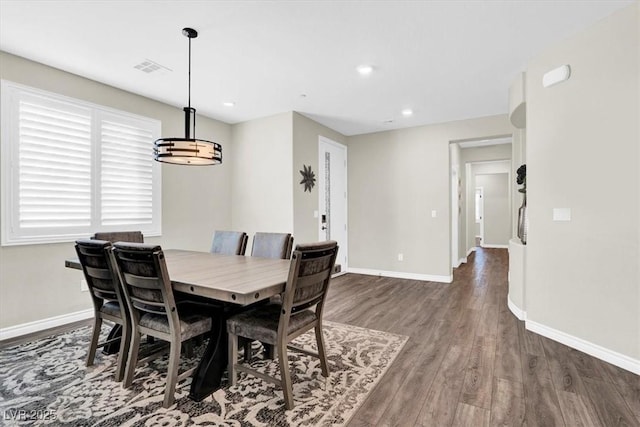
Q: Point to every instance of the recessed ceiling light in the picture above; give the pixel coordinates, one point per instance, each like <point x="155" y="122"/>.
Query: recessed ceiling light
<point x="365" y="69"/>
<point x="228" y="104"/>
<point x="407" y="112"/>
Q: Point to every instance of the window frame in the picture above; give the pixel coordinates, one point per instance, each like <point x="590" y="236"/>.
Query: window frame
<point x="10" y="232"/>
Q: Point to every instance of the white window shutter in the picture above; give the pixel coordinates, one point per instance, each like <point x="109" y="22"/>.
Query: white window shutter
<point x="71" y="168"/>
<point x="127" y="172"/>
<point x="54" y="164"/>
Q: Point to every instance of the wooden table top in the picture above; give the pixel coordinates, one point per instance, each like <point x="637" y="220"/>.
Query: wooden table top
<point x="237" y="279"/>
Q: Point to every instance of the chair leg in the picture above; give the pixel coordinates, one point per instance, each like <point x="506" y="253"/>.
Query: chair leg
<point x="95" y="335"/>
<point x="321" y="350"/>
<point x="269" y="351"/>
<point x="125" y="343"/>
<point x="132" y="360"/>
<point x="285" y="375"/>
<point x="232" y="352"/>
<point x="247" y="350"/>
<point x="188" y="349"/>
<point x="172" y="373"/>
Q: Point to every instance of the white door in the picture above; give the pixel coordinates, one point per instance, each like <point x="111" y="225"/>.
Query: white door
<point x="480" y="214"/>
<point x="332" y="193"/>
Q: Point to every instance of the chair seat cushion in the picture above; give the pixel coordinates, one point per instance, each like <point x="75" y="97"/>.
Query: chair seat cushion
<point x="261" y="323"/>
<point x="112" y="308"/>
<point x="191" y="324"/>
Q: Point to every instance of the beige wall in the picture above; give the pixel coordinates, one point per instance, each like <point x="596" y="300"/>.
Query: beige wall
<point x="306" y="133"/>
<point x="582" y="276"/>
<point x="261" y="158"/>
<point x="34" y="284"/>
<point x="396" y="179"/>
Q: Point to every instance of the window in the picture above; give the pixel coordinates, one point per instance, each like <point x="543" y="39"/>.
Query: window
<point x="71" y="168"/>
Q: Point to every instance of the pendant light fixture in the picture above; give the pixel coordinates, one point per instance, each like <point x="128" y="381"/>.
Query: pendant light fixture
<point x="188" y="150"/>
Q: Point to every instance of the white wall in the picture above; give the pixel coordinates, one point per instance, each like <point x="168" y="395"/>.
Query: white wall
<point x="261" y="190"/>
<point x="396" y="179"/>
<point x="34" y="284"/>
<point x="583" y="153"/>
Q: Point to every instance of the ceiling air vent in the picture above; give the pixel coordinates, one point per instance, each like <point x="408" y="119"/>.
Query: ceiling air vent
<point x="148" y="66"/>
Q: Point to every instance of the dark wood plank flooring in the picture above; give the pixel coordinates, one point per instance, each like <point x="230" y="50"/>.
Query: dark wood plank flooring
<point x="470" y="362"/>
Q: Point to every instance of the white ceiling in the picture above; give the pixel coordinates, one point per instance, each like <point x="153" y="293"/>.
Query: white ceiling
<point x="446" y="60"/>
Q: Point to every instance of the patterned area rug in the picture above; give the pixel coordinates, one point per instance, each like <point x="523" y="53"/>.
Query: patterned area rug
<point x="46" y="383"/>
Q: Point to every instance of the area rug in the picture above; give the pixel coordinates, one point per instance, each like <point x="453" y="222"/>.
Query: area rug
<point x="46" y="382"/>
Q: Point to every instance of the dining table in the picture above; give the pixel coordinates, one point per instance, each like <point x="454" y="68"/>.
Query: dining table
<point x="224" y="284"/>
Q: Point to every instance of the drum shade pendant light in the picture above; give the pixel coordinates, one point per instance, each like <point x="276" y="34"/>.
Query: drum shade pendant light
<point x="188" y="150"/>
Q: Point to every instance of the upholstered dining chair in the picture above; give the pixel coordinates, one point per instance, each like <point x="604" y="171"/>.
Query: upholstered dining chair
<point x="120" y="236"/>
<point x="229" y="242"/>
<point x="278" y="324"/>
<point x="149" y="295"/>
<point x="101" y="276"/>
<point x="272" y="245"/>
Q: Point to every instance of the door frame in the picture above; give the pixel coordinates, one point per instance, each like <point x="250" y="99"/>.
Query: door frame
<point x="343" y="245"/>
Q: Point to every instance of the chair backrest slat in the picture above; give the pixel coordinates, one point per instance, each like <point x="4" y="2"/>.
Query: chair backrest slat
<point x="143" y="282"/>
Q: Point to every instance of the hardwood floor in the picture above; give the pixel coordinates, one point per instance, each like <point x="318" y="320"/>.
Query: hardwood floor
<point x="470" y="362"/>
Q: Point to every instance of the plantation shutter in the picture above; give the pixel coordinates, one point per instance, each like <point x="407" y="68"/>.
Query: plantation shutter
<point x="127" y="172"/>
<point x="54" y="163"/>
<point x="71" y="168"/>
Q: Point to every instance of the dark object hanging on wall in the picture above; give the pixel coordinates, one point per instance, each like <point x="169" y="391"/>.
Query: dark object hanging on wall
<point x="523" y="222"/>
<point x="308" y="178"/>
<point x="188" y="150"/>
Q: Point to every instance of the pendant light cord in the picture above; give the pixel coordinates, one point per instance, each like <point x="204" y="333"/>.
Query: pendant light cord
<point x="189" y="104"/>
<point x="189" y="101"/>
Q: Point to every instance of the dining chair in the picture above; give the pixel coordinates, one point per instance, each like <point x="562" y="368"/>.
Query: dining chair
<point x="149" y="296"/>
<point x="101" y="276"/>
<point x="278" y="324"/>
<point x="272" y="245"/>
<point x="229" y="242"/>
<point x="269" y="245"/>
<point x="120" y="236"/>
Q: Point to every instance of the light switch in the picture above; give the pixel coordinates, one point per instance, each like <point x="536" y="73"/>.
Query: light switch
<point x="562" y="214"/>
<point x="434" y="214"/>
<point x="315" y="214"/>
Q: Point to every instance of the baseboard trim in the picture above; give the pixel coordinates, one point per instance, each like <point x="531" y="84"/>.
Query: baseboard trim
<point x="402" y="275"/>
<point x="460" y="261"/>
<point x="519" y="313"/>
<point x="470" y="251"/>
<point x="610" y="356"/>
<point x="41" y="325"/>
<point x="490" y="246"/>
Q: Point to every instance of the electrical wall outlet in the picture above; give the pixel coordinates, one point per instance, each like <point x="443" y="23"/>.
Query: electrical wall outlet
<point x="400" y="257"/>
<point x="83" y="286"/>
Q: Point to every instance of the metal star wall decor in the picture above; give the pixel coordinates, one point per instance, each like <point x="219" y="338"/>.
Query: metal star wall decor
<point x="308" y="178"/>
